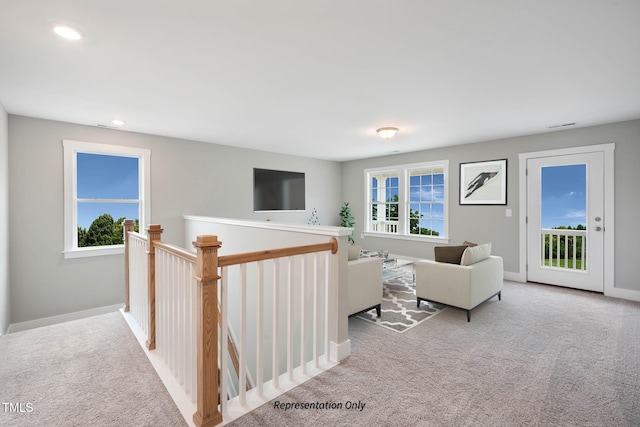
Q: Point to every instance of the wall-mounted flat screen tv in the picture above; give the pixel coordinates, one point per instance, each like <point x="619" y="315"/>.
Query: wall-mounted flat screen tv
<point x="275" y="190"/>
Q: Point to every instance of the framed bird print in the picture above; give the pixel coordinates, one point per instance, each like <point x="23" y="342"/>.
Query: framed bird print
<point x="483" y="183"/>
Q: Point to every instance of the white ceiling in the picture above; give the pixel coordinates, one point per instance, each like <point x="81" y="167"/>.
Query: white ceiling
<point x="316" y="77"/>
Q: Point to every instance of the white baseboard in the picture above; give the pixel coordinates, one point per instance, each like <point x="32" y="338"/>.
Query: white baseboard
<point x="339" y="352"/>
<point x="514" y="277"/>
<point x="53" y="320"/>
<point x="627" y="294"/>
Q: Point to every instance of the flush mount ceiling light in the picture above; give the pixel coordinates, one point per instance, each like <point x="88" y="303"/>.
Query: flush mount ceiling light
<point x="387" y="132"/>
<point x="117" y="122"/>
<point x="66" y="32"/>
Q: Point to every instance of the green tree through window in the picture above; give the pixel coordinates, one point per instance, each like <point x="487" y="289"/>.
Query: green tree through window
<point x="104" y="231"/>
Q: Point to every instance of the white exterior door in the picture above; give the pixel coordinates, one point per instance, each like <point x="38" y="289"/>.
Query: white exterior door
<point x="565" y="220"/>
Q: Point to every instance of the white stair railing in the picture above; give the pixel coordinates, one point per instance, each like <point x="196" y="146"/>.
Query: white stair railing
<point x="172" y="297"/>
<point x="176" y="314"/>
<point x="138" y="295"/>
<point x="291" y="298"/>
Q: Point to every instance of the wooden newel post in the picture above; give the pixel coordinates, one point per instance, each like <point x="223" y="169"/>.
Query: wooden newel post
<point x="127" y="226"/>
<point x="207" y="278"/>
<point x="153" y="233"/>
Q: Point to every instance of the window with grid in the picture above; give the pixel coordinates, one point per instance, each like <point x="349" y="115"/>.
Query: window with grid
<point x="384" y="201"/>
<point x="426" y="201"/>
<point x="104" y="184"/>
<point x="408" y="201"/>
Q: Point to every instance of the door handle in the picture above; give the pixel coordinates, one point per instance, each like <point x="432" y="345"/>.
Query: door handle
<point x="598" y="228"/>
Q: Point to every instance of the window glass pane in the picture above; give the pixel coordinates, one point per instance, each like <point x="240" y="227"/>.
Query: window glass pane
<point x="414" y="180"/>
<point x="99" y="224"/>
<point x="101" y="176"/>
<point x="438" y="193"/>
<point x="392" y="182"/>
<point x="414" y="195"/>
<point x="426" y="194"/>
<point x="426" y="179"/>
<point x="425" y="227"/>
<point x="392" y="194"/>
<point x="437" y="210"/>
<point x="392" y="211"/>
<point x="438" y="227"/>
<point x="438" y="178"/>
<point x="374" y="195"/>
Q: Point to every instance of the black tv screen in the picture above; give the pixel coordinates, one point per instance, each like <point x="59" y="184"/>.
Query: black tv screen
<point x="278" y="190"/>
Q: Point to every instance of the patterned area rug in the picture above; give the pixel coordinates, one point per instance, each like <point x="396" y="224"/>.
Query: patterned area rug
<point x="399" y="311"/>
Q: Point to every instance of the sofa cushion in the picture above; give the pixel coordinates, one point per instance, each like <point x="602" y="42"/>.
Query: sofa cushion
<point x="468" y="243"/>
<point x="473" y="254"/>
<point x="450" y="254"/>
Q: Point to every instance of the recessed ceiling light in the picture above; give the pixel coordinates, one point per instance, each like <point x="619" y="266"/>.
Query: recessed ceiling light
<point x="117" y="122"/>
<point x="66" y="32"/>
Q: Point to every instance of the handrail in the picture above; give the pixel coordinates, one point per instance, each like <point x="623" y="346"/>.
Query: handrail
<point x="563" y="232"/>
<point x="225" y="261"/>
<point x="189" y="257"/>
<point x="174" y="250"/>
<point x="136" y="234"/>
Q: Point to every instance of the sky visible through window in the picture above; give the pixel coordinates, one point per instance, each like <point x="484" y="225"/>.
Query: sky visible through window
<point x="564" y="196"/>
<point x="106" y="177"/>
<point x="426" y="194"/>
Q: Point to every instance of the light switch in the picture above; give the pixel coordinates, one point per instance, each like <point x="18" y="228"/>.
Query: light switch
<point x="509" y="213"/>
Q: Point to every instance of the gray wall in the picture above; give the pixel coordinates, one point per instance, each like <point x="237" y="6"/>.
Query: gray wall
<point x="4" y="222"/>
<point x="489" y="223"/>
<point x="187" y="177"/>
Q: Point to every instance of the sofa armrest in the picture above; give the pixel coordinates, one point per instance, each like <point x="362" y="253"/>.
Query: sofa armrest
<point x="364" y="284"/>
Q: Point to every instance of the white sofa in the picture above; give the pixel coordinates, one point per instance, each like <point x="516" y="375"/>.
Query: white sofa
<point x="461" y="286"/>
<point x="365" y="285"/>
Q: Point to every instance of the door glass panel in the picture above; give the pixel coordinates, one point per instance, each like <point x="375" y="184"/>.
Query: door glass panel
<point x="563" y="218"/>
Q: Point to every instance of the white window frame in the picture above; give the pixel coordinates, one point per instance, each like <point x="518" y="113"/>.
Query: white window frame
<point x="70" y="149"/>
<point x="403" y="202"/>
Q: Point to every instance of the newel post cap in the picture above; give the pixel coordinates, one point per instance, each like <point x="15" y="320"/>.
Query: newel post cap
<point x="207" y="241"/>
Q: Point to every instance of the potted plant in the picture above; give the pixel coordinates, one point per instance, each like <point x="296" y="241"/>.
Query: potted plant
<point x="347" y="220"/>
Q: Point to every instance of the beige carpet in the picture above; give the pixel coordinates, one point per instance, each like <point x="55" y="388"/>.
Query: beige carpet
<point x="89" y="372"/>
<point x="543" y="356"/>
